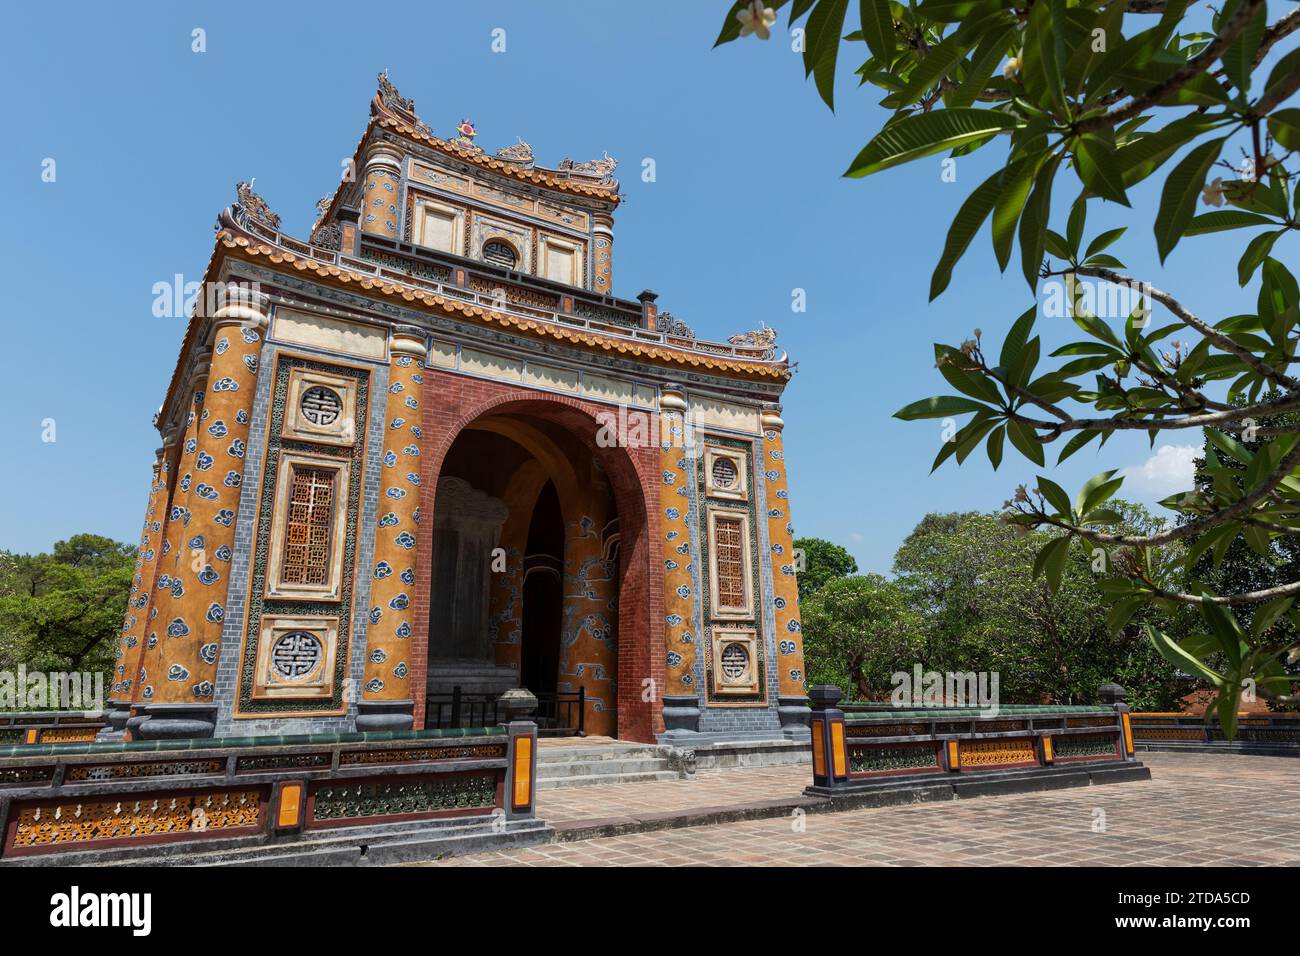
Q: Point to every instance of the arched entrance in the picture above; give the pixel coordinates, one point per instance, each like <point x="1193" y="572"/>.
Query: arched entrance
<point x="530" y="581"/>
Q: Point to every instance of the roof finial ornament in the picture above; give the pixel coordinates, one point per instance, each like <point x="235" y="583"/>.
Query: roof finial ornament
<point x="253" y="206"/>
<point x="464" y="138"/>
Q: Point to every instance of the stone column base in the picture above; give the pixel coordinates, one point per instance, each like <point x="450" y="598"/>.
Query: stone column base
<point x="681" y="713"/>
<point x="116" y="714"/>
<point x="795" y="716"/>
<point x="380" y="715"/>
<point x="175" y="721"/>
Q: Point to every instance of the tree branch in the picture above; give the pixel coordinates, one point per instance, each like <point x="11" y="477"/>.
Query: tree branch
<point x="1179" y="78"/>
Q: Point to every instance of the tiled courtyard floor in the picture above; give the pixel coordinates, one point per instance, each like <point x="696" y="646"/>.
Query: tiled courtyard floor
<point x="1198" y="809"/>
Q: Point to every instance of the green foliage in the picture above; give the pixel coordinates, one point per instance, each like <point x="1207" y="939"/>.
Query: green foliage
<point x="822" y="562"/>
<point x="63" y="611"/>
<point x="857" y="632"/>
<point x="1113" y="92"/>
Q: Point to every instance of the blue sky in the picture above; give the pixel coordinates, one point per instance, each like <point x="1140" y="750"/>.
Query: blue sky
<point x="748" y="205"/>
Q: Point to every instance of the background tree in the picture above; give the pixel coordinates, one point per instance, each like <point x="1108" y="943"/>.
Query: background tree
<point x="1110" y="92"/>
<point x="63" y="611"/>
<point x="857" y="632"/>
<point x="823" y="561"/>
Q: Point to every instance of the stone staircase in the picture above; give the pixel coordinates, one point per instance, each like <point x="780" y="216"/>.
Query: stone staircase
<point x="580" y="766"/>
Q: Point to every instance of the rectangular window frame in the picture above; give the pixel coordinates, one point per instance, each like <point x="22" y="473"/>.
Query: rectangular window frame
<point x="748" y="638"/>
<point x="331" y="589"/>
<point x="427" y="207"/>
<point x="717" y="610"/>
<point x="740" y="459"/>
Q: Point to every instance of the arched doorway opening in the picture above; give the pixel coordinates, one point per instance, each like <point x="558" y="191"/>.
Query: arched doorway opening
<point x="530" y="580"/>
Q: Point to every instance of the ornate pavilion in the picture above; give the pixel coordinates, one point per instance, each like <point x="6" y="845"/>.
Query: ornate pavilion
<point x="426" y="456"/>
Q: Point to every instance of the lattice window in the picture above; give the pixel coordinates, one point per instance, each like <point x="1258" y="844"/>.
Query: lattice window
<point x="307" y="527"/>
<point x="735" y="661"/>
<point x="729" y="560"/>
<point x="321" y="405"/>
<point x="296" y="654"/>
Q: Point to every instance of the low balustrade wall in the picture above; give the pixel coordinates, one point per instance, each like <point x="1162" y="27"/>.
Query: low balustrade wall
<point x="113" y="798"/>
<point x="1266" y="734"/>
<point x="865" y="746"/>
<point x="49" y="727"/>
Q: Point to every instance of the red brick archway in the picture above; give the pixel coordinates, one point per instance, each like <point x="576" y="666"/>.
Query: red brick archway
<point x="454" y="401"/>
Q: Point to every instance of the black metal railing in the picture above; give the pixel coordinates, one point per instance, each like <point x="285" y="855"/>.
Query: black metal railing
<point x="561" y="714"/>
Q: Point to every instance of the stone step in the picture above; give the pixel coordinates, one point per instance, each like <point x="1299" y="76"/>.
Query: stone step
<point x="595" y="780"/>
<point x="599" y="768"/>
<point x="599" y="754"/>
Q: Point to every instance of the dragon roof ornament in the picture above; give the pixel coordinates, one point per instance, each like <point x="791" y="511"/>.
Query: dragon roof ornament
<point x="764" y="337"/>
<point x="602" y="168"/>
<point x="520" y="152"/>
<point x="251" y="205"/>
<point x="388" y="99"/>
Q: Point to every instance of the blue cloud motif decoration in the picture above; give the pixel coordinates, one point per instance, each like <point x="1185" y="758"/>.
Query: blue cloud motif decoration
<point x="396" y="387"/>
<point x="674" y="619"/>
<point x="674" y="659"/>
<point x="793" y="626"/>
<point x="796" y="675"/>
<point x="400" y="603"/>
<point x="184" y="486"/>
<point x="407" y="576"/>
<point x="203" y="689"/>
<point x="783" y="494"/>
<point x="250" y="361"/>
<point x="221" y="346"/>
<point x="404" y="361"/>
<point x="779" y="603"/>
<point x="412" y="477"/>
<point x="403" y="629"/>
<point x="670" y="564"/>
<point x="684" y="548"/>
<point x="405" y="540"/>
<point x="688" y="679"/>
<point x="672" y="535"/>
<point x="683" y="591"/>
<point x="223" y="553"/>
<point x="778" y="548"/>
<point x="383" y="569"/>
<point x="241" y="416"/>
<point x="417" y="431"/>
<point x="673" y="514"/>
<point x="390" y="459"/>
<point x="389" y="520"/>
<point x="686" y="638"/>
<point x="375" y="614"/>
<point x="224" y="516"/>
<point x="208" y="652"/>
<point x="417" y="378"/>
<point x="396" y="492"/>
<point x="374" y="685"/>
<point x="197" y="543"/>
<point x="206" y="492"/>
<point x="775" y="513"/>
<point x="411" y="450"/>
<point x="218" y="429"/>
<point x="208" y="575"/>
<point x="669" y="477"/>
<point x="226" y="384"/>
<point x="152" y="642"/>
<point x="178" y="589"/>
<point x="397" y="423"/>
<point x="401" y="670"/>
<point x="415" y="515"/>
<point x="216" y="612"/>
<point x="771" y="475"/>
<point x="786" y="647"/>
<point x="787" y="569"/>
<point x="191" y="443"/>
<point x="411" y="402"/>
<point x="233" y="479"/>
<point x="177" y="673"/>
<point x="378" y="656"/>
<point x="250" y="336"/>
<point x="236" y="449"/>
<point x="147" y="693"/>
<point x="164" y="582"/>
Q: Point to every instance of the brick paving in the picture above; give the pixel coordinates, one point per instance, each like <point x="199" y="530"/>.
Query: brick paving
<point x="1198" y="809"/>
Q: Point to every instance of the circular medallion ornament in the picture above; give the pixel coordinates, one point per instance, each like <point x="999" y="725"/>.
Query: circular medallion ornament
<point x="735" y="661"/>
<point x="321" y="405"/>
<point x="724" y="473"/>
<point x="296" y="654"/>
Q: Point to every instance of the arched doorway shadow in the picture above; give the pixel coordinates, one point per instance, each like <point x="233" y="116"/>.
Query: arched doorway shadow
<point x="608" y="637"/>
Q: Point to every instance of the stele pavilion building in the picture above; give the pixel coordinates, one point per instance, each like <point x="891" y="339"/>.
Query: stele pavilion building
<point x="426" y="456"/>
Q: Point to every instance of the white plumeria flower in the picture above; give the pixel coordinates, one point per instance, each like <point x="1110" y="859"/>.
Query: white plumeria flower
<point x="1011" y="67"/>
<point x="1212" y="195"/>
<point x="757" y="19"/>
